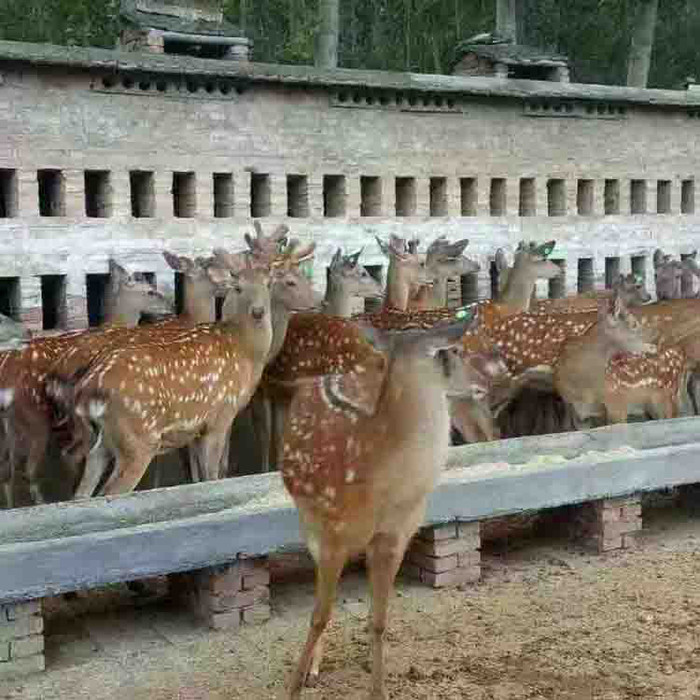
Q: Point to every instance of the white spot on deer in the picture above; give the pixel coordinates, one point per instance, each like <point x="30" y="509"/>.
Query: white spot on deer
<point x="349" y="476"/>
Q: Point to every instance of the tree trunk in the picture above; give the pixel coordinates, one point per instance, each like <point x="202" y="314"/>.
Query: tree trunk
<point x="642" y="43"/>
<point x="326" y="54"/>
<point x="506" y="20"/>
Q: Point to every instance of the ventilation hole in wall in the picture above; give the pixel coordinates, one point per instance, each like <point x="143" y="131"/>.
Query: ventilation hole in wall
<point x="468" y="196"/>
<point x="438" y="196"/>
<point x="334" y="195"/>
<point x="109" y="82"/>
<point x="10" y="299"/>
<point x="297" y="196"/>
<point x="51" y="193"/>
<point x="611" y="197"/>
<point x="584" y="197"/>
<point x="192" y="86"/>
<point x="370" y="196"/>
<point x="98" y="194"/>
<point x="144" y="85"/>
<point x="376" y="271"/>
<point x="527" y="203"/>
<point x="586" y="276"/>
<point x="143" y="196"/>
<point x="370" y="100"/>
<point x="218" y="308"/>
<point x="497" y="196"/>
<point x="96" y="292"/>
<point x="184" y="193"/>
<point x="399" y="98"/>
<point x="179" y="286"/>
<point x="556" y="197"/>
<point x="342" y="97"/>
<point x="149" y="277"/>
<point x="127" y="82"/>
<point x="450" y="103"/>
<point x="8" y="194"/>
<point x="663" y="197"/>
<point x="384" y="100"/>
<point x="556" y="287"/>
<point x="224" y="88"/>
<point x="612" y="271"/>
<point x="590" y="109"/>
<point x="470" y="287"/>
<point x="210" y="87"/>
<point x="639" y="267"/>
<point x="161" y="86"/>
<point x="412" y="100"/>
<point x="439" y="102"/>
<point x="405" y="196"/>
<point x="260" y="195"/>
<point x="688" y="197"/>
<point x="223" y="195"/>
<point x="53" y="302"/>
<point x="357" y="98"/>
<point x="638" y="197"/>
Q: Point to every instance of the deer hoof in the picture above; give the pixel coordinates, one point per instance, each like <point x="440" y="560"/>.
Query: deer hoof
<point x="311" y="679"/>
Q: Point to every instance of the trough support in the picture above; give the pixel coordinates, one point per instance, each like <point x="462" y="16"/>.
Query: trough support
<point x="445" y="555"/>
<point x="611" y="523"/>
<point x="224" y="597"/>
<point x="21" y="639"/>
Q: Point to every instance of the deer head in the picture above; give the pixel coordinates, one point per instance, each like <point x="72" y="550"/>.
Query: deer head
<point x="632" y="290"/>
<point x="668" y="277"/>
<point x="347" y="278"/>
<point x="444" y="259"/>
<point x="530" y="264"/>
<point x="619" y="330"/>
<point x="128" y="298"/>
<point x="406" y="270"/>
<point x="263" y="246"/>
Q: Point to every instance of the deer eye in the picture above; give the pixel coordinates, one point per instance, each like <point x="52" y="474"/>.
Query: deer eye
<point x="238" y="289"/>
<point x="291" y="283"/>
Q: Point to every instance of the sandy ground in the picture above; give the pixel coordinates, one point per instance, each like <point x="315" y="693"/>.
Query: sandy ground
<point x="548" y="621"/>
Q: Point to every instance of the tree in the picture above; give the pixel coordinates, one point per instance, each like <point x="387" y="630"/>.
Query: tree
<point x="326" y="48"/>
<point x="506" y="19"/>
<point x="642" y="43"/>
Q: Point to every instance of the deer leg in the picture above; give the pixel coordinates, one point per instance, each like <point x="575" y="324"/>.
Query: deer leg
<point x="37" y="449"/>
<point x="128" y="471"/>
<point x="329" y="566"/>
<point x="206" y="453"/>
<point x="95" y="467"/>
<point x="279" y="421"/>
<point x="261" y="413"/>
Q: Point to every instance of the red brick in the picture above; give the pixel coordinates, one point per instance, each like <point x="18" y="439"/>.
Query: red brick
<point x="433" y="564"/>
<point x="27" y="646"/>
<point x="440" y="548"/>
<point x="229" y="581"/>
<point x="242" y="599"/>
<point x="468" y="559"/>
<point x="438" y="532"/>
<point x="470" y="532"/>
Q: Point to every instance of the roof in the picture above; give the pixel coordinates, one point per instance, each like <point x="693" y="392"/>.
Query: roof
<point x="106" y="61"/>
<point x="513" y="54"/>
<point x="131" y="14"/>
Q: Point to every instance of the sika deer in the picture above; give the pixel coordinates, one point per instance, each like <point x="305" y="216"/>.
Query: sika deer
<point x="25" y="371"/>
<point x="346" y="279"/>
<point x="360" y="473"/>
<point x="156" y="396"/>
<point x="442" y="261"/>
<point x="407" y="270"/>
<point x="674" y="278"/>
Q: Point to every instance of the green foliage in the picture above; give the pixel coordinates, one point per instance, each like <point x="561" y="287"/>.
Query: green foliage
<point x="405" y="35"/>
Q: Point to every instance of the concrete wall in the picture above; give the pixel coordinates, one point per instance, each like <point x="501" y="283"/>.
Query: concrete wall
<point x="470" y="152"/>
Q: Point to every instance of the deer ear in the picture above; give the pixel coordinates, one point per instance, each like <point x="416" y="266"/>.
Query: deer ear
<point x="454" y="250"/>
<point x="336" y="260"/>
<point x="383" y="247"/>
<point x="354" y="258"/>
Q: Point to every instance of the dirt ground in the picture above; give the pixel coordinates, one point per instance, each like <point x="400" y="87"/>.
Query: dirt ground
<point x="548" y="621"/>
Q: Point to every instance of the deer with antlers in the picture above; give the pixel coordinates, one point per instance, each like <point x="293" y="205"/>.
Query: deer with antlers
<point x="24" y="372"/>
<point x="360" y="457"/>
<point x="675" y="278"/>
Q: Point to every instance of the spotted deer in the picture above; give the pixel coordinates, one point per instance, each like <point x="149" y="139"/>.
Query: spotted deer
<point x="149" y="398"/>
<point x="443" y="260"/>
<point x="407" y="270"/>
<point x="25" y="371"/>
<point x="675" y="278"/>
<point x="360" y="457"/>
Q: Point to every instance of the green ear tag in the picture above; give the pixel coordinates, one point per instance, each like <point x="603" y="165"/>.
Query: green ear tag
<point x="307" y="269"/>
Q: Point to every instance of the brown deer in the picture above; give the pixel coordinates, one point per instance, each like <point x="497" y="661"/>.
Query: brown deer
<point x="159" y="395"/>
<point x="360" y="471"/>
<point x="347" y="279"/>
<point x="443" y="260"/>
<point x="674" y="278"/>
<point x="25" y="371"/>
<point x="407" y="270"/>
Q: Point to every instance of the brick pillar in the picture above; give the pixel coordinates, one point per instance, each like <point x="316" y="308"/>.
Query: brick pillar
<point x="121" y="193"/>
<point x="445" y="555"/>
<point x="571" y="194"/>
<point x="611" y="523"/>
<point x="316" y="196"/>
<point x="21" y="639"/>
<point x="163" y="194"/>
<point x="454" y="197"/>
<point x="571" y="276"/>
<point x="512" y="196"/>
<point x="76" y="303"/>
<point x="675" y="196"/>
<point x="598" y="198"/>
<point x="27" y="193"/>
<point x="541" y="196"/>
<point x="625" y="198"/>
<point x="205" y="195"/>
<point x="226" y="596"/>
<point x="30" y="303"/>
<point x="74" y="194"/>
<point x="483" y="193"/>
<point x="278" y="194"/>
<point x="422" y="196"/>
<point x="353" y="196"/>
<point x="598" y="272"/>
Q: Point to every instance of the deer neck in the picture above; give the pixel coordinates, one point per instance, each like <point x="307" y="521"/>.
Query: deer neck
<point x="338" y="301"/>
<point x="584" y="360"/>
<point x="518" y="291"/>
<point x="437" y="294"/>
<point x="397" y="288"/>
<point x="279" y="315"/>
<point x="254" y="340"/>
<point x="199" y="306"/>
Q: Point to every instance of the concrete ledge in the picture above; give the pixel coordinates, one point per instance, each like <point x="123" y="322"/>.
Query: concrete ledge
<point x="62" y="547"/>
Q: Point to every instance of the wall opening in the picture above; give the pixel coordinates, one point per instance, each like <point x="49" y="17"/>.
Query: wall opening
<point x="53" y="302"/>
<point x="52" y="193"/>
<point x="556" y="197"/>
<point x="218" y="308"/>
<point x="584" y="197"/>
<point x="438" y="196"/>
<point x="96" y="288"/>
<point x="297" y="196"/>
<point x="184" y="195"/>
<point x="377" y="272"/>
<point x="98" y="194"/>
<point x="497" y="196"/>
<point x="143" y="194"/>
<point x="8" y="193"/>
<point x="688" y="197"/>
<point x="10" y="298"/>
<point x="612" y="271"/>
<point x="611" y="197"/>
<point x="260" y="195"/>
<point x="527" y="203"/>
<point x="556" y="287"/>
<point x="586" y="276"/>
<point x="223" y="195"/>
<point x="334" y="195"/>
<point x="468" y="195"/>
<point x="179" y="289"/>
<point x="638" y="197"/>
<point x="405" y="196"/>
<point x="470" y="287"/>
<point x="663" y="197"/>
<point x="370" y="196"/>
<point x="494" y="275"/>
